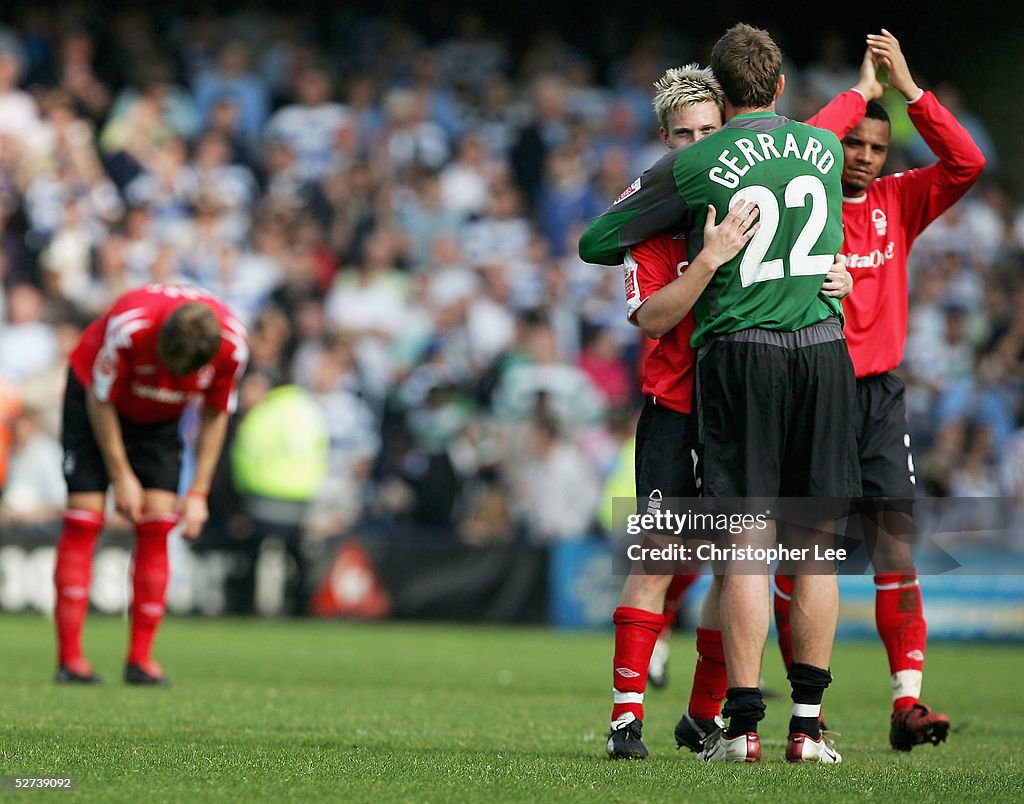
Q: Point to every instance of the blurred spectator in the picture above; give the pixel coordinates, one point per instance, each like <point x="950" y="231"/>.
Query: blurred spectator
<point x="363" y="97"/>
<point x="10" y="409"/>
<point x="592" y="104"/>
<point x="984" y="399"/>
<point x="423" y="214"/>
<point x="473" y="56"/>
<point x="490" y="323"/>
<point x="43" y="391"/>
<point x="143" y="120"/>
<point x="410" y="139"/>
<point x="233" y="79"/>
<point x="18" y="258"/>
<point x="224" y="122"/>
<point x="69" y="171"/>
<point x="356" y="201"/>
<point x="498" y="117"/>
<point x="142" y="246"/>
<point x="354" y="441"/>
<point x="465" y="181"/>
<point x="567" y="200"/>
<point x="602" y="361"/>
<point x="227" y="183"/>
<point x="257" y="271"/>
<point x="440" y="104"/>
<point x="503" y="233"/>
<point x="546" y="131"/>
<point x="368" y="302"/>
<point x="28" y="344"/>
<point x="540" y="374"/>
<point x="35" y="490"/>
<point x="269" y="339"/>
<point x="19" y="116"/>
<point x="975" y="475"/>
<point x="67" y="260"/>
<point x="206" y="254"/>
<point x="311" y="126"/>
<point x="76" y="77"/>
<point x="833" y="71"/>
<point x="633" y="77"/>
<point x="166" y="186"/>
<point x="279" y="461"/>
<point x="555" y="491"/>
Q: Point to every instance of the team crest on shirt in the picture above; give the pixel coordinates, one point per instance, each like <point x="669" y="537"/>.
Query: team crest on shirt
<point x="879" y="220"/>
<point x="628" y="191"/>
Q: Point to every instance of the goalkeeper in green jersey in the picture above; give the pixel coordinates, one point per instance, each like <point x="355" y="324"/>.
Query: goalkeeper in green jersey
<point x="774" y="375"/>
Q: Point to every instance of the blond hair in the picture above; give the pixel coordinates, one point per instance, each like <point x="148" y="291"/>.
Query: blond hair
<point x="681" y="87"/>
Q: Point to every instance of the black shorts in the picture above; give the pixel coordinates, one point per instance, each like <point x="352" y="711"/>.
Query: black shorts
<point x="883" y="442"/>
<point x="775" y="412"/>
<point x="666" y="455"/>
<point x="154" y="450"/>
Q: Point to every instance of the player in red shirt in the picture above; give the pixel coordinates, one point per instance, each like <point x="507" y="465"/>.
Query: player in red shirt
<point x="661" y="287"/>
<point x="881" y="218"/>
<point x="132" y="373"/>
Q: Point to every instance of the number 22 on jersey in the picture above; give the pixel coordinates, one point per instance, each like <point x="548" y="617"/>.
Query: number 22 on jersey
<point x="753" y="266"/>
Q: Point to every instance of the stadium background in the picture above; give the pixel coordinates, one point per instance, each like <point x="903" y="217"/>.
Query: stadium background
<point x="407" y="257"/>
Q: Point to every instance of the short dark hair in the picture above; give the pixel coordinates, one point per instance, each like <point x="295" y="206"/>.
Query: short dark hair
<point x="747" y="63"/>
<point x="876" y="111"/>
<point x="188" y="339"/>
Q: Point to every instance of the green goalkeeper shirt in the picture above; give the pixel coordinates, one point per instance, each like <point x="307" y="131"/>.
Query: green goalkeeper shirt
<point x="791" y="171"/>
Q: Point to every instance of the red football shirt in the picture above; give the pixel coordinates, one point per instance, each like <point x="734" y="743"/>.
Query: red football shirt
<point x="666" y="366"/>
<point x="881" y="226"/>
<point x="666" y="372"/>
<point x="117" y="357"/>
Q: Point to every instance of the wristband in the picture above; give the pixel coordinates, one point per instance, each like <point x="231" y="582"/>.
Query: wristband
<point x="202" y="495"/>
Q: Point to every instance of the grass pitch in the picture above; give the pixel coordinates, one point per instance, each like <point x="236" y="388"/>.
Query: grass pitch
<point x="350" y="712"/>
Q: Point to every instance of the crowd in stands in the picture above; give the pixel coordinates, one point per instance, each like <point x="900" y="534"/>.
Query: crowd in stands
<point x="395" y="221"/>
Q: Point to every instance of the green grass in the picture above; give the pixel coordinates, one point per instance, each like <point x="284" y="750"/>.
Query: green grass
<point x="346" y="712"/>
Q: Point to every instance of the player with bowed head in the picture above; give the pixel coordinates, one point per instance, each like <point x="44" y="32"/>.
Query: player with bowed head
<point x="131" y="375"/>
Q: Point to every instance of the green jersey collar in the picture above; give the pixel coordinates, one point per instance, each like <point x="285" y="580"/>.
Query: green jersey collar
<point x="754" y="115"/>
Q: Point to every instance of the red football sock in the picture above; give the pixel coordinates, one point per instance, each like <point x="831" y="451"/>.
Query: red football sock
<point x="710" y="681"/>
<point x="149" y="583"/>
<point x="674" y="599"/>
<point x="636" y="631"/>
<point x="71" y="579"/>
<point x="783" y="596"/>
<point x="901" y="626"/>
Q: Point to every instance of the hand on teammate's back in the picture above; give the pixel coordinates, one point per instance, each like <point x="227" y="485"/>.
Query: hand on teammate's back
<point x="838" y="281"/>
<point x="724" y="241"/>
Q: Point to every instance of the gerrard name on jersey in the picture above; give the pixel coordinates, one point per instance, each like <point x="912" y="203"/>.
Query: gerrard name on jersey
<point x="813" y="152"/>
